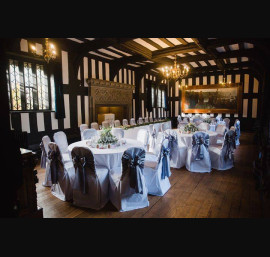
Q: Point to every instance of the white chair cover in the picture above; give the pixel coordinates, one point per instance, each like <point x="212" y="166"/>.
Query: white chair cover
<point x="132" y="122"/>
<point x="186" y="119"/>
<point x="152" y="137"/>
<point x="125" y="122"/>
<point x="91" y="183"/>
<point x="89" y="133"/>
<point x="218" y="118"/>
<point x="220" y="130"/>
<point x="128" y="190"/>
<point x="146" y="120"/>
<point x="140" y="120"/>
<point x="62" y="175"/>
<point x="82" y="128"/>
<point x="178" y="151"/>
<point x="222" y="158"/>
<point x="118" y="132"/>
<point x="157" y="170"/>
<point x="105" y="124"/>
<point x="197" y="121"/>
<point x="237" y="131"/>
<point x="204" y="126"/>
<point x="60" y="139"/>
<point x="44" y="162"/>
<point x="143" y="137"/>
<point x="117" y="123"/>
<point x="198" y="159"/>
<point x="165" y="126"/>
<point x="94" y="125"/>
<point x="151" y="119"/>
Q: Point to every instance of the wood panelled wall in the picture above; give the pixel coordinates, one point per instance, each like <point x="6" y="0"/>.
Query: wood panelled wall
<point x="40" y="123"/>
<point x="250" y="96"/>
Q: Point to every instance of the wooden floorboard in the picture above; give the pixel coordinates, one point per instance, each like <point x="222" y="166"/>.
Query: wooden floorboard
<point x="219" y="194"/>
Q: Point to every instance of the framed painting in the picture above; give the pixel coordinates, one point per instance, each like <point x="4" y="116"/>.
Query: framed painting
<point x="212" y="99"/>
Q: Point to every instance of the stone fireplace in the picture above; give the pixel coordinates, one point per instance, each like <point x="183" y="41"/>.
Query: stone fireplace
<point x="109" y="97"/>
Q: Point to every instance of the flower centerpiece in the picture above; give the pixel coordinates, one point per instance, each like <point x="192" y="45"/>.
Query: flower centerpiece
<point x="190" y="128"/>
<point x="207" y="120"/>
<point x="107" y="138"/>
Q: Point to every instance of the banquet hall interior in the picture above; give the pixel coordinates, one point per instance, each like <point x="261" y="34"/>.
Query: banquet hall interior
<point x="136" y="127"/>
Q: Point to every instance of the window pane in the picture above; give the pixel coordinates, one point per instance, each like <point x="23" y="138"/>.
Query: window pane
<point x="15" y="85"/>
<point x="42" y="85"/>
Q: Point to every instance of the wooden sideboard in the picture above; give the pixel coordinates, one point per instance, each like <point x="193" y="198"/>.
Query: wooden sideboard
<point x="27" y="195"/>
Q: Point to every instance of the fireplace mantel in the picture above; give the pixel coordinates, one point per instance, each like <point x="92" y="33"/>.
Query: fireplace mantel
<point x="103" y="92"/>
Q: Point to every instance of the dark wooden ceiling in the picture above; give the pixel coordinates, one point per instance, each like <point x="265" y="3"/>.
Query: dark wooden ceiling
<point x="201" y="55"/>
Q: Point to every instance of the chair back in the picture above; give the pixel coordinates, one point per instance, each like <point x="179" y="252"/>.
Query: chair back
<point x="133" y="166"/>
<point x="229" y="145"/>
<point x="118" y="132"/>
<point x="89" y="133"/>
<point x="237" y="128"/>
<point x="84" y="164"/>
<point x="204" y="126"/>
<point x="140" y="120"/>
<point x="44" y="146"/>
<point x="83" y="127"/>
<point x="94" y="125"/>
<point x="151" y="119"/>
<point x="125" y="122"/>
<point x="146" y="120"/>
<point x="221" y="129"/>
<point x="164" y="157"/>
<point x="157" y="127"/>
<point x="105" y="124"/>
<point x="60" y="139"/>
<point x="171" y="135"/>
<point x="200" y="144"/>
<point x="227" y="121"/>
<point x="186" y="119"/>
<point x="143" y="136"/>
<point x="232" y="128"/>
<point x="132" y="122"/>
<point x="56" y="164"/>
<point x="179" y="119"/>
<point x="117" y="123"/>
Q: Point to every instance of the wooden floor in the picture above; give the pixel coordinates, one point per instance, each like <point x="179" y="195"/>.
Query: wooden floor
<point x="219" y="194"/>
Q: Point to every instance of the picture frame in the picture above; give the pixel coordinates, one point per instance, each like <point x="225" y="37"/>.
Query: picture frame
<point x="213" y="98"/>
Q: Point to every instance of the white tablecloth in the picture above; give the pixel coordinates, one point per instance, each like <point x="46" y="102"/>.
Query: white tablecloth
<point x="132" y="132"/>
<point x="108" y="157"/>
<point x="186" y="139"/>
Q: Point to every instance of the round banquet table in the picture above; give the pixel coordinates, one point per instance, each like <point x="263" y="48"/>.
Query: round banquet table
<point x="109" y="158"/>
<point x="186" y="138"/>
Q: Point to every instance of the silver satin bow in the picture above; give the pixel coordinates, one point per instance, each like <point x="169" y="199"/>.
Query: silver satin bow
<point x="198" y="142"/>
<point x="55" y="165"/>
<point x="133" y="165"/>
<point x="80" y="163"/>
<point x="173" y="143"/>
<point x="165" y="172"/>
<point x="229" y="144"/>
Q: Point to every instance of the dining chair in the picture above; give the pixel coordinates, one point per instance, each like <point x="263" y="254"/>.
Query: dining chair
<point x="204" y="126"/>
<point x="227" y="121"/>
<point x="146" y="120"/>
<point x="198" y="159"/>
<point x="91" y="183"/>
<point x="125" y="122"/>
<point x="127" y="188"/>
<point x="132" y="122"/>
<point x="220" y="130"/>
<point x="157" y="168"/>
<point x="94" y="125"/>
<point x="105" y="124"/>
<point x="223" y="158"/>
<point x="60" y="139"/>
<point x="117" y="123"/>
<point x="143" y="137"/>
<point x="82" y="128"/>
<point x="89" y="133"/>
<point x="62" y="174"/>
<point x="178" y="151"/>
<point x="237" y="131"/>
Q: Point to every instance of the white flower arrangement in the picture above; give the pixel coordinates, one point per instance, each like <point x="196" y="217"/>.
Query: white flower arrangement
<point x="107" y="138"/>
<point x="190" y="127"/>
<point x="207" y="120"/>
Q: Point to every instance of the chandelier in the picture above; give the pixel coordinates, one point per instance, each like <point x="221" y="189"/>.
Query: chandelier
<point x="49" y="52"/>
<point x="175" y="71"/>
<point x="224" y="82"/>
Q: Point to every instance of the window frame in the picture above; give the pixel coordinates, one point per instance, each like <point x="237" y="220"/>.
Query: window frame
<point x="21" y="59"/>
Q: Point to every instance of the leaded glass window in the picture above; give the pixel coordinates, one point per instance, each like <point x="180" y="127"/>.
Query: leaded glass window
<point x="28" y="86"/>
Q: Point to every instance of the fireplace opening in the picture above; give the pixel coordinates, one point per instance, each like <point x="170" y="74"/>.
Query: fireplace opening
<point x="120" y="112"/>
